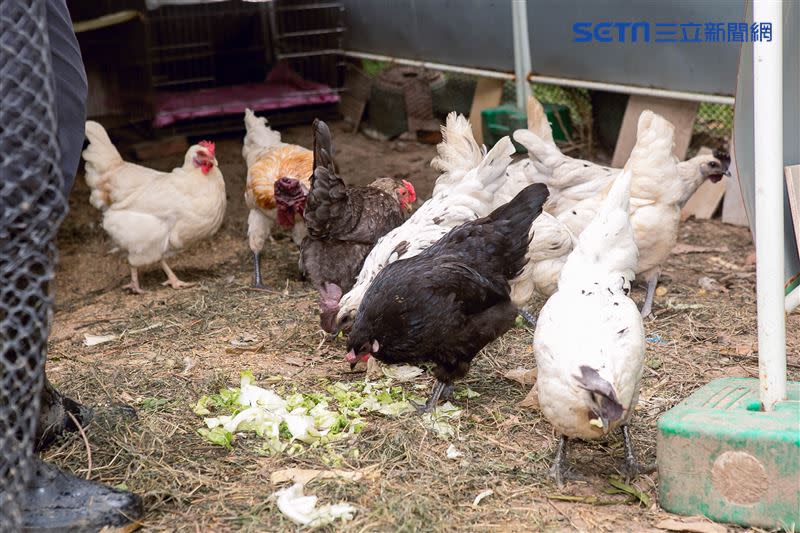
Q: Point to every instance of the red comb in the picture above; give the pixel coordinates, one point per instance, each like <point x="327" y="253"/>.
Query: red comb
<point x="412" y="194"/>
<point x="208" y="145"/>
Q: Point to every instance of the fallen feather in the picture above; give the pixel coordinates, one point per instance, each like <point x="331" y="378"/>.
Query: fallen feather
<point x="483" y="494"/>
<point x="522" y="375"/>
<point x="697" y="525"/>
<point x="401" y="373"/>
<point x="710" y="284"/>
<point x="453" y="453"/>
<point x="302" y="509"/>
<point x="306" y="475"/>
<point x="94" y="340"/>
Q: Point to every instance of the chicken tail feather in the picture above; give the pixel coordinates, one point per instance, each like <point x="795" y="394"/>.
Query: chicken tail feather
<point x="458" y="150"/>
<point x="101" y="156"/>
<point x="323" y="146"/>
<point x="259" y="136"/>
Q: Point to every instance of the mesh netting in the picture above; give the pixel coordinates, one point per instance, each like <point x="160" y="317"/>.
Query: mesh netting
<point x="31" y="206"/>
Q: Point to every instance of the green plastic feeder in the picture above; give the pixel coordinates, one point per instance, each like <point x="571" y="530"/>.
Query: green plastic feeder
<point x="719" y="455"/>
<point x="505" y="119"/>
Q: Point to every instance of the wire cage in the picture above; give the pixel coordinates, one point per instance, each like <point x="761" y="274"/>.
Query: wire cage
<point x="201" y="63"/>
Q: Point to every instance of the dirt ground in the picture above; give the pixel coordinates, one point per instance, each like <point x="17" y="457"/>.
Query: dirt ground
<point x="174" y="346"/>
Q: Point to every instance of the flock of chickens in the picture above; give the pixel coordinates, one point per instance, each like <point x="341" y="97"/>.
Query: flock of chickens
<point x="440" y="285"/>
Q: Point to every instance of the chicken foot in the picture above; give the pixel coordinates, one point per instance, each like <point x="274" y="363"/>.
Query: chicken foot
<point x="172" y="279"/>
<point x="632" y="467"/>
<point x="440" y="390"/>
<point x="652" y="281"/>
<point x="133" y="286"/>
<point x="560" y="469"/>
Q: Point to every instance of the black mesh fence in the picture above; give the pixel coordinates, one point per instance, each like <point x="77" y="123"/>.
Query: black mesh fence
<point x="31" y="206"/>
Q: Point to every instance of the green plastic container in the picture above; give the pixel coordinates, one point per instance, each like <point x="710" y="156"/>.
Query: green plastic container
<point x="505" y="119"/>
<point x="720" y="456"/>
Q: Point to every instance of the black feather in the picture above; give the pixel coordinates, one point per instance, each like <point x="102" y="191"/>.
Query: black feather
<point x="445" y="304"/>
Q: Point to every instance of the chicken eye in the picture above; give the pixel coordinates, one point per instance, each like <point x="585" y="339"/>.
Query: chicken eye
<point x="714" y="164"/>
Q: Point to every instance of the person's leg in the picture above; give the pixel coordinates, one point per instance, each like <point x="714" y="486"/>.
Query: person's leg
<point x="33" y="190"/>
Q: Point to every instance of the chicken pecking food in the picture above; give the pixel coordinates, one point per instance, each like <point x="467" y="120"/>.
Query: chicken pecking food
<point x="445" y="304"/>
<point x="278" y="180"/>
<point x="344" y="223"/>
<point x="465" y="191"/>
<point x="572" y="180"/>
<point x="588" y="383"/>
<point x="151" y="214"/>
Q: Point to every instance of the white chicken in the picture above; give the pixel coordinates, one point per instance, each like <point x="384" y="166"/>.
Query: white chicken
<point x="151" y="214"/>
<point x="656" y="195"/>
<point x="572" y="180"/>
<point x="465" y="191"/>
<point x="588" y="383"/>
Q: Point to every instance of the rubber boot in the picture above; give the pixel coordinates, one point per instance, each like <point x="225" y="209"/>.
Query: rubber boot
<point x="53" y="418"/>
<point x="58" y="501"/>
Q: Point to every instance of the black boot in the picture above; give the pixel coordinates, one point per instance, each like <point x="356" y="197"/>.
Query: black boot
<point x="58" y="501"/>
<point x="53" y="417"/>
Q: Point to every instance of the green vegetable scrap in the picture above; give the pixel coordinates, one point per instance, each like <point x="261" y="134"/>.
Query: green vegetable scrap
<point x="288" y="424"/>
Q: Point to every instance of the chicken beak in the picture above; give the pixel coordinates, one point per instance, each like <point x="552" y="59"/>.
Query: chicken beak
<point x="352" y="359"/>
<point x="600" y="422"/>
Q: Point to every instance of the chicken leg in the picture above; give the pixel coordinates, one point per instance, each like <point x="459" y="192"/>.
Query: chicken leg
<point x="632" y="468"/>
<point x="560" y="470"/>
<point x="257" y="282"/>
<point x="529" y="318"/>
<point x="133" y="286"/>
<point x="172" y="279"/>
<point x="652" y="281"/>
<point x="440" y="390"/>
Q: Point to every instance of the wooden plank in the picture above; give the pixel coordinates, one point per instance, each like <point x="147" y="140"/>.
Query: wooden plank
<point x="733" y="211"/>
<point x="488" y="93"/>
<point x="793" y="187"/>
<point x="679" y="112"/>
<point x="706" y="199"/>
<point x="353" y="100"/>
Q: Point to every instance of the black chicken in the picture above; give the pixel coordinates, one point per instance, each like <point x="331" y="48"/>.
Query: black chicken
<point x="344" y="223"/>
<point x="444" y="305"/>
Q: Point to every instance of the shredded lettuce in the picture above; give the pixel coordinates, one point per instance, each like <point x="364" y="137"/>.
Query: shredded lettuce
<point x="289" y="423"/>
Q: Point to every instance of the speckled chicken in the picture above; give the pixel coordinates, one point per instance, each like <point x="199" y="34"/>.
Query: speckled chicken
<point x="344" y="223"/>
<point x="449" y="301"/>
<point x="589" y="339"/>
<point x="464" y="191"/>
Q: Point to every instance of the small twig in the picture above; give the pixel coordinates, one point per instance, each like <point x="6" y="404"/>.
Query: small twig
<point x="85" y="442"/>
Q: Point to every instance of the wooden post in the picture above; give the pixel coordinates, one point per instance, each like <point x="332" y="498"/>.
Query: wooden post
<point x="488" y="93"/>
